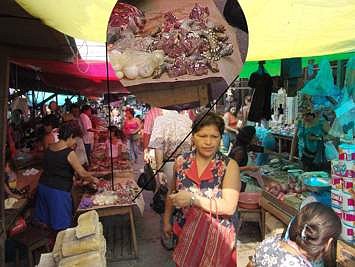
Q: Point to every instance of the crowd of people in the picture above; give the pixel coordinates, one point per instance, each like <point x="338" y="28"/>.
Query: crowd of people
<point x="203" y="179"/>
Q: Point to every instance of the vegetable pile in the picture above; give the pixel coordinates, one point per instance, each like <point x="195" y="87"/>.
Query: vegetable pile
<point x="280" y="190"/>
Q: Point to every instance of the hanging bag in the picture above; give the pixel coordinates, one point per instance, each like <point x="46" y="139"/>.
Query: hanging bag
<point x="204" y="241"/>
<point x="146" y="180"/>
<point x="331" y="152"/>
<point x="159" y="198"/>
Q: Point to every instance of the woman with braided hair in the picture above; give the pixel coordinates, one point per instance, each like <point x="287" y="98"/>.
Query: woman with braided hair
<point x="313" y="234"/>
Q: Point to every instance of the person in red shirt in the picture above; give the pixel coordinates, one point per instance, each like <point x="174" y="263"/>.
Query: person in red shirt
<point x="131" y="128"/>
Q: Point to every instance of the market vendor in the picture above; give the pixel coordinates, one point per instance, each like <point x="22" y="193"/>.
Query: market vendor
<point x="311" y="131"/>
<point x="54" y="201"/>
<point x="245" y="142"/>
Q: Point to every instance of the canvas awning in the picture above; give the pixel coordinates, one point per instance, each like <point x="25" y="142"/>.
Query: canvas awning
<point x="82" y="77"/>
<point x="26" y="36"/>
<point x="277" y="29"/>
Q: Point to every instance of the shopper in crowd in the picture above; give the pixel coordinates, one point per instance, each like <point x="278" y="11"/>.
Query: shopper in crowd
<point x="230" y="129"/>
<point x="50" y="131"/>
<point x="244" y="110"/>
<point x="201" y="175"/>
<point x="310" y="135"/>
<point x="313" y="236"/>
<point x="79" y="146"/>
<point x="55" y="110"/>
<point x="88" y="130"/>
<point x="131" y="128"/>
<point x="117" y="140"/>
<point x="54" y="201"/>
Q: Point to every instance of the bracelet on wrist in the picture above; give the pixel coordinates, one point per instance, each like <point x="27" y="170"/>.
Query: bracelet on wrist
<point x="192" y="200"/>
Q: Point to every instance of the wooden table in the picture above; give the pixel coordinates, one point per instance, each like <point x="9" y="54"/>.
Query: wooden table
<point x="281" y="138"/>
<point x="106" y="211"/>
<point x="345" y="254"/>
<point x="113" y="210"/>
<point x="27" y="180"/>
<point x="275" y="207"/>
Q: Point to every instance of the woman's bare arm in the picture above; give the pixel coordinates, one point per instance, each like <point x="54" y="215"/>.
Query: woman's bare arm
<point x="79" y="169"/>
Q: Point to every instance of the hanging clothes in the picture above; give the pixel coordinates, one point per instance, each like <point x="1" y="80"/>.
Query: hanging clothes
<point x="260" y="107"/>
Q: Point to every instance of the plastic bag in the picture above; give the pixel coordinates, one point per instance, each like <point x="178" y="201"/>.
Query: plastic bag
<point x="136" y="64"/>
<point x="349" y="83"/>
<point x="323" y="83"/>
<point x="331" y="152"/>
<point x="344" y="126"/>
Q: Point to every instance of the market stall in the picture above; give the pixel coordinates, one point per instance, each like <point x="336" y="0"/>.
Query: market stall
<point x="109" y="203"/>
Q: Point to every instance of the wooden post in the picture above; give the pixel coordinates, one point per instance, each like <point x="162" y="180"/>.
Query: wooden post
<point x="4" y="90"/>
<point x="33" y="112"/>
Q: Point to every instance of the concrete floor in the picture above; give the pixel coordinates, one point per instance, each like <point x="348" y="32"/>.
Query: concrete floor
<point x="152" y="254"/>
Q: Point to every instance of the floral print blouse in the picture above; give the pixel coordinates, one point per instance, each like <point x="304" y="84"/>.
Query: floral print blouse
<point x="270" y="254"/>
<point x="208" y="185"/>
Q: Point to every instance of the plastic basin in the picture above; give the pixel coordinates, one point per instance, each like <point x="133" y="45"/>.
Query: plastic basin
<point x="249" y="200"/>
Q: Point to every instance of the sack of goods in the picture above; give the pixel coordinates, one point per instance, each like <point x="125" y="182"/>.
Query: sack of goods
<point x="83" y="245"/>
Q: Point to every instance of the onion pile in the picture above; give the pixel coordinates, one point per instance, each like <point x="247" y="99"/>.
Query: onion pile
<point x="280" y="190"/>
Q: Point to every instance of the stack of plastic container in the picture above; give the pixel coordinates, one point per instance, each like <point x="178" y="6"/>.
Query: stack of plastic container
<point x="343" y="190"/>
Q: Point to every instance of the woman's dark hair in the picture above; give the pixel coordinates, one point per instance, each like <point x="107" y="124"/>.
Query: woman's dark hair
<point x="51" y="103"/>
<point x="85" y="108"/>
<point x="208" y="119"/>
<point x="130" y="110"/>
<point x="50" y="120"/>
<point x="73" y="106"/>
<point x="245" y="135"/>
<point x="311" y="230"/>
<point x="69" y="129"/>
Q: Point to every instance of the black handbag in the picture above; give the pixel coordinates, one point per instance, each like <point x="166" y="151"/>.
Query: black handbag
<point x="158" y="204"/>
<point x="146" y="180"/>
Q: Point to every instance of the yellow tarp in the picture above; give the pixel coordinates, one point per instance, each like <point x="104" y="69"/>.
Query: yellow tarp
<point x="277" y="28"/>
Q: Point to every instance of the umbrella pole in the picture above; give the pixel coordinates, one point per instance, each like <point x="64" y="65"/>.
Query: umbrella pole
<point x="109" y="115"/>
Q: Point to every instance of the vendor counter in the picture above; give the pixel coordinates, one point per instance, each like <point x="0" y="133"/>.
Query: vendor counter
<point x="118" y="202"/>
<point x="283" y="210"/>
<point x="30" y="159"/>
<point x="287" y="208"/>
